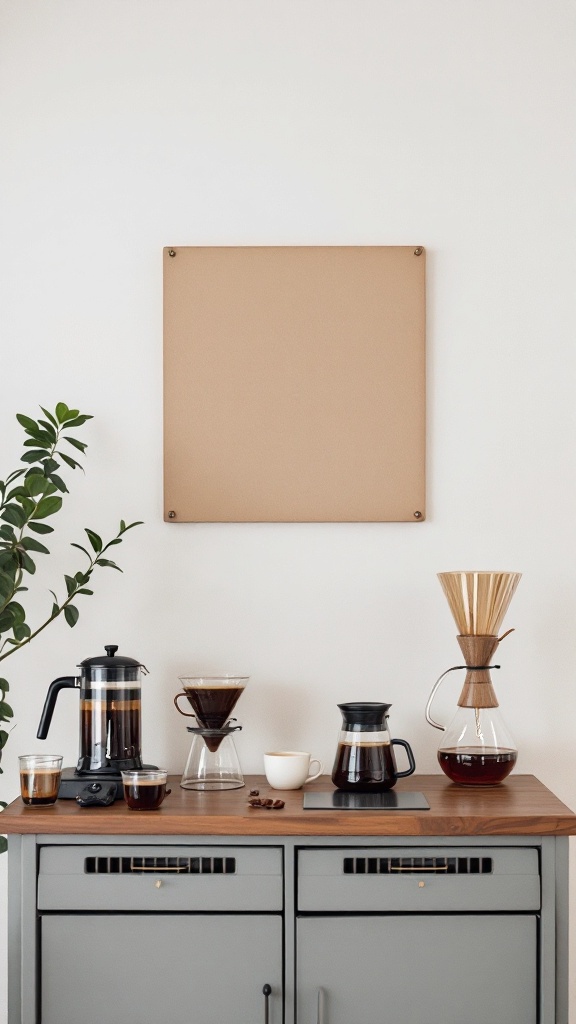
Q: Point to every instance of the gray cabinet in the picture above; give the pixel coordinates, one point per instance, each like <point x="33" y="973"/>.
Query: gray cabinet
<point x="155" y="968"/>
<point x="417" y="969"/>
<point x="335" y="929"/>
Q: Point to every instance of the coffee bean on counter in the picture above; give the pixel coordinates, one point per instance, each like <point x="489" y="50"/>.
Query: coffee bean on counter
<point x="266" y="803"/>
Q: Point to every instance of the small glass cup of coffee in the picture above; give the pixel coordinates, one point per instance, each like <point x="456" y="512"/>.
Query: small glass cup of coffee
<point x="40" y="776"/>
<point x="145" y="790"/>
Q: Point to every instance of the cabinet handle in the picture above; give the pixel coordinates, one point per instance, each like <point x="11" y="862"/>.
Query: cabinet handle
<point x="267" y="992"/>
<point x="320" y="1019"/>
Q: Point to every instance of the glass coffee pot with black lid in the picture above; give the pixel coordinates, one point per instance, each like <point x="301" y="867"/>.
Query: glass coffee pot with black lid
<point x="110" y="719"/>
<point x="365" y="761"/>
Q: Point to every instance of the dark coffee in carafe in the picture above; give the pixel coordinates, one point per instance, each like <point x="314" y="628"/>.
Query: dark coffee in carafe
<point x="366" y="766"/>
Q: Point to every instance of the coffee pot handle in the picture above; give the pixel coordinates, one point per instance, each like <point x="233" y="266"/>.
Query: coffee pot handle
<point x="411" y="761"/>
<point x="188" y="714"/>
<point x="429" y="718"/>
<point x="62" y="683"/>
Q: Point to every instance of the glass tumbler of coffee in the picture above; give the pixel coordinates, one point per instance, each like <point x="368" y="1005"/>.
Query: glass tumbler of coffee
<point x="145" y="790"/>
<point x="40" y="776"/>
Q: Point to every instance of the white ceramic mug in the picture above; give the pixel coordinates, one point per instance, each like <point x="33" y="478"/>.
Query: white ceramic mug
<point x="290" y="769"/>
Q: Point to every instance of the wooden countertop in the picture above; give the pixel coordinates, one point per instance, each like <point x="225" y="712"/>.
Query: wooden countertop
<point x="519" y="806"/>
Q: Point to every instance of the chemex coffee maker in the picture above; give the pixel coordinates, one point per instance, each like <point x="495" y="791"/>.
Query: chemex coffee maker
<point x="477" y="749"/>
<point x="212" y="763"/>
<point x="110" y="726"/>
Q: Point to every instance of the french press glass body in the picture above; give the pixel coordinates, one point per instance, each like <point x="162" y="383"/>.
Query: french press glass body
<point x="110" y="712"/>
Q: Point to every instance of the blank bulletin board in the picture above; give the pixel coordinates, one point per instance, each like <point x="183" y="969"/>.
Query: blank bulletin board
<point x="294" y="384"/>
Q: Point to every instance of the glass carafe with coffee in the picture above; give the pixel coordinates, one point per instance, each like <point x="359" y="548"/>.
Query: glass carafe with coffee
<point x="110" y="724"/>
<point x="365" y="761"/>
<point x="212" y="763"/>
<point x="477" y="748"/>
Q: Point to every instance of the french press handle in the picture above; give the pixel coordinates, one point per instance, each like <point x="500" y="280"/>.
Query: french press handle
<point x="62" y="683"/>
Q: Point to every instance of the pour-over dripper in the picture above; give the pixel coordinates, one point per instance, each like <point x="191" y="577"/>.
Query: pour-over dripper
<point x="477" y="748"/>
<point x="213" y="699"/>
<point x="479" y="600"/>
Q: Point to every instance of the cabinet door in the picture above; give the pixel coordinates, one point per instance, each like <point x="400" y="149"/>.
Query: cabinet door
<point x="448" y="969"/>
<point x="161" y="969"/>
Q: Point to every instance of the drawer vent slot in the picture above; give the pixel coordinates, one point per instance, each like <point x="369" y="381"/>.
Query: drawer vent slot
<point x="160" y="865"/>
<point x="417" y="865"/>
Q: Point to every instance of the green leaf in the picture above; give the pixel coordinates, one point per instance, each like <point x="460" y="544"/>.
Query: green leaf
<point x="4" y="685"/>
<point x="26" y="422"/>
<point x="62" y="411"/>
<point x="39" y="438"/>
<point x="80" y="445"/>
<point x="3" y="840"/>
<point x="49" y="429"/>
<point x="34" y="456"/>
<point x="8" y="533"/>
<point x="69" y="462"/>
<point x="28" y="505"/>
<point x="47" y="507"/>
<point x="35" y="484"/>
<point x="27" y="563"/>
<point x="80" y="548"/>
<point x="94" y="539"/>
<point x="83" y="590"/>
<point x="6" y="711"/>
<point x="71" y="615"/>
<point x="72" y="414"/>
<point x="14" y="515"/>
<point x="59" y="483"/>
<point x="17" y="611"/>
<point x="50" y="466"/>
<point x="40" y="528"/>
<point x="49" y="416"/>
<point x="3" y="738"/>
<point x="77" y="421"/>
<point x="70" y="584"/>
<point x="106" y="561"/>
<point x="29" y="544"/>
<point x="131" y="525"/>
<point x="21" y="632"/>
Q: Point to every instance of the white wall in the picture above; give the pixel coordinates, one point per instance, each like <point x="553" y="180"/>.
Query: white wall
<point x="127" y="126"/>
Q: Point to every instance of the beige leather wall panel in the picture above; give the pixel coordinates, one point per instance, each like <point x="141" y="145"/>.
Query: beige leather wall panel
<point x="294" y="384"/>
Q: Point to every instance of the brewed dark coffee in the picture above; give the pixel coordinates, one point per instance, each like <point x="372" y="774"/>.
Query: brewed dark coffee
<point x="364" y="767"/>
<point x="477" y="767"/>
<point x="39" y="786"/>
<point x="144" y="795"/>
<point x="213" y="705"/>
<point x="110" y="726"/>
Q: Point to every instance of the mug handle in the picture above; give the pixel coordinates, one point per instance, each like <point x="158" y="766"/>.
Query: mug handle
<point x="188" y="714"/>
<point x="411" y="761"/>
<point x="314" y="760"/>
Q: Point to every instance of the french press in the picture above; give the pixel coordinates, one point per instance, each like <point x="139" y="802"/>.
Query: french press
<point x="477" y="748"/>
<point x="110" y="721"/>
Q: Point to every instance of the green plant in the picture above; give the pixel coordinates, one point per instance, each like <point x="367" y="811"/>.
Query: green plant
<point x="29" y="496"/>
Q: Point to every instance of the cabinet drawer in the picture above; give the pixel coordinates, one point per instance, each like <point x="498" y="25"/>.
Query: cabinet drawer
<point x="189" y="878"/>
<point x="418" y="879"/>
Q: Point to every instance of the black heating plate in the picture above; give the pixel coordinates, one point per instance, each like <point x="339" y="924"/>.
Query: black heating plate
<point x="336" y="800"/>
